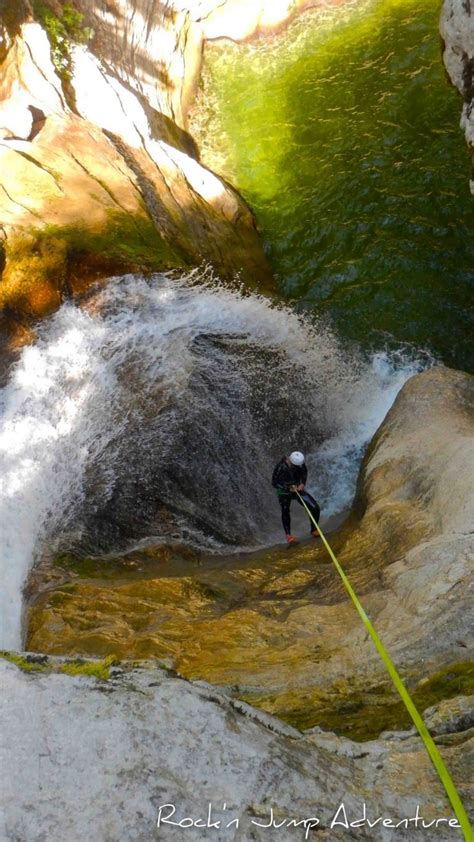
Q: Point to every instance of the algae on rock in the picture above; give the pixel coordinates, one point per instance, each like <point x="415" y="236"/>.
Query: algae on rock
<point x="28" y="662"/>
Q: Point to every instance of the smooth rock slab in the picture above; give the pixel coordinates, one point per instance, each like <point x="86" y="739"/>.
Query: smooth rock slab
<point x="84" y="759"/>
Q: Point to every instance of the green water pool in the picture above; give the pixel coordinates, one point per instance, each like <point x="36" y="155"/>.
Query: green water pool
<point x="343" y="135"/>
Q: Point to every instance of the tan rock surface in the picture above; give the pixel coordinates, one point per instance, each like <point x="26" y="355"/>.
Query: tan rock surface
<point x="99" y="159"/>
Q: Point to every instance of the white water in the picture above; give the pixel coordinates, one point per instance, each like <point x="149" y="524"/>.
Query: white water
<point x="160" y="412"/>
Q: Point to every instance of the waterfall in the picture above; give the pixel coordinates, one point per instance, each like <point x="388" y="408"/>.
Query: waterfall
<point x="157" y="410"/>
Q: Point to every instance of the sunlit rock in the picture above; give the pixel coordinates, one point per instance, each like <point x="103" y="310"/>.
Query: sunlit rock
<point x="238" y="20"/>
<point x="94" y="141"/>
<point x="457" y="32"/>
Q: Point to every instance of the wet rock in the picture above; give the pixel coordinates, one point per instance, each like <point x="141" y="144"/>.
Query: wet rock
<point x="277" y="626"/>
<point x="34" y="273"/>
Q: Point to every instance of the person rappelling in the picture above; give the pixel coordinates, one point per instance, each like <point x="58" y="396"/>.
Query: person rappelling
<point x="289" y="478"/>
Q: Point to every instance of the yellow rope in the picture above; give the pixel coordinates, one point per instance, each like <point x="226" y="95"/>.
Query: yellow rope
<point x="431" y="747"/>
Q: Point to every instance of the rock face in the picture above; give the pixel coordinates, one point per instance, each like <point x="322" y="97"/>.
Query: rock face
<point x="457" y="31"/>
<point x="91" y="759"/>
<point x="98" y="171"/>
<point x="276" y="628"/>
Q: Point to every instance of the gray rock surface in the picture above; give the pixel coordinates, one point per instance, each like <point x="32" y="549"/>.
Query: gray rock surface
<point x="88" y="759"/>
<point x="457" y="32"/>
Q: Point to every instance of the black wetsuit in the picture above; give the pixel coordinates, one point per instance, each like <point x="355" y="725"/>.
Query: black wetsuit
<point x="284" y="476"/>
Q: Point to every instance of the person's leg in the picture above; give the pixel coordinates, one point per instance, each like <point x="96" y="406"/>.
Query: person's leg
<point x="285" y="500"/>
<point x="312" y="505"/>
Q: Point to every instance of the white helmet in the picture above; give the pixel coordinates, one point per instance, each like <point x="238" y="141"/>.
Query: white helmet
<point x="297" y="458"/>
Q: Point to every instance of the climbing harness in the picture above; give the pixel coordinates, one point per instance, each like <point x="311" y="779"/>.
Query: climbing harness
<point x="425" y="735"/>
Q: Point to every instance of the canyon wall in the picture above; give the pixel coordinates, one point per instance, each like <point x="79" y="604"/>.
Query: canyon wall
<point x="457" y="32"/>
<point x="98" y="171"/>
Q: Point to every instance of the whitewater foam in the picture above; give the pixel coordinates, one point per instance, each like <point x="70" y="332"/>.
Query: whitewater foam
<point x="160" y="409"/>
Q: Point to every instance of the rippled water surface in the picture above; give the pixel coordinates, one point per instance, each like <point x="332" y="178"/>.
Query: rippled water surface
<point x="343" y="134"/>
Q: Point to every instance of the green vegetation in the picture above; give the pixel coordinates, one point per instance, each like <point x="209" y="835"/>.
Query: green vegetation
<point x="96" y="669"/>
<point x="26" y="664"/>
<point x="33" y="663"/>
<point x="62" y="32"/>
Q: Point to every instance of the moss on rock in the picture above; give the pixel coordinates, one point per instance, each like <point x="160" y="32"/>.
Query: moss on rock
<point x="96" y="669"/>
<point x="40" y="663"/>
<point x="26" y="663"/>
<point x="363" y="713"/>
<point x="42" y="265"/>
<point x="130" y="243"/>
<point x="35" y="272"/>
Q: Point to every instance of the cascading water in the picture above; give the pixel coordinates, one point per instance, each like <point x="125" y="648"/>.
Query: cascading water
<point x="158" y="412"/>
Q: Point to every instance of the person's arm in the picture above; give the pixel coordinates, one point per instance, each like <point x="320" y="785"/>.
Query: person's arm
<point x="304" y="475"/>
<point x="275" y="475"/>
<point x="282" y="480"/>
